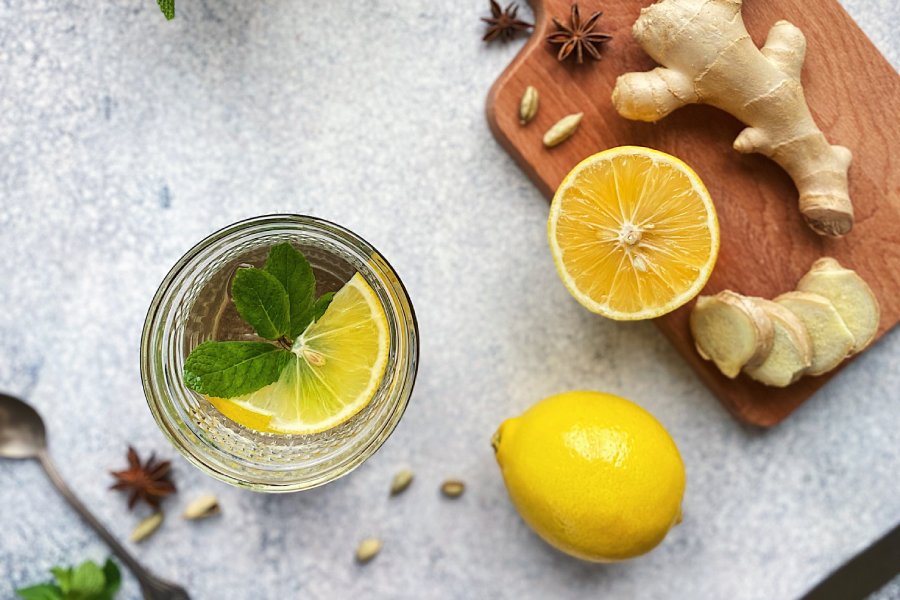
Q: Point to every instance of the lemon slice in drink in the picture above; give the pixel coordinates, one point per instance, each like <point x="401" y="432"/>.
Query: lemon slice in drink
<point x="338" y="366"/>
<point x="634" y="233"/>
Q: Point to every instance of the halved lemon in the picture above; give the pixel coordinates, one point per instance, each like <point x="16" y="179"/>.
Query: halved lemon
<point x="633" y="232"/>
<point x="337" y="368"/>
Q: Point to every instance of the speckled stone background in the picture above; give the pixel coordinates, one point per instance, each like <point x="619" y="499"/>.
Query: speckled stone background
<point x="125" y="139"/>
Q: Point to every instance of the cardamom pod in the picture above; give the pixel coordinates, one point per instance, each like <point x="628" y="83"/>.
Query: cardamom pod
<point x="367" y="550"/>
<point x="528" y="106"/>
<point x="562" y="130"/>
<point x="202" y="507"/>
<point x="146" y="527"/>
<point x="401" y="481"/>
<point x="453" y="488"/>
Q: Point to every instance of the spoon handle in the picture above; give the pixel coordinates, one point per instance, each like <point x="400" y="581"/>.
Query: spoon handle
<point x="149" y="582"/>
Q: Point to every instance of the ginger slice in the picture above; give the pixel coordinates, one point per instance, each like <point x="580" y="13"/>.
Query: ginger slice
<point x="832" y="341"/>
<point x="850" y="295"/>
<point x="791" y="353"/>
<point x="732" y="331"/>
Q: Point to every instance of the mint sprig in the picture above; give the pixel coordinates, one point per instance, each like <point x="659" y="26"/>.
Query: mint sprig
<point x="228" y="369"/>
<point x="88" y="581"/>
<point x="168" y="8"/>
<point x="321" y="305"/>
<point x="262" y="302"/>
<point x="292" y="270"/>
<point x="279" y="303"/>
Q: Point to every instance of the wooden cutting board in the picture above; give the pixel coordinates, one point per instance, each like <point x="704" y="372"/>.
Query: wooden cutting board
<point x="855" y="97"/>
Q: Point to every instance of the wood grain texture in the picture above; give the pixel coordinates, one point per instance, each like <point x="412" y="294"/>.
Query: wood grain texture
<point x="766" y="247"/>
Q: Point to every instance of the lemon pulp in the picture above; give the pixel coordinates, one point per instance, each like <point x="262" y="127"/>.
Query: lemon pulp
<point x="633" y="233"/>
<point x="337" y="368"/>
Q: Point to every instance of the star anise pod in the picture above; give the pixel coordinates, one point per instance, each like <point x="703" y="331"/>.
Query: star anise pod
<point x="148" y="481"/>
<point x="578" y="37"/>
<point x="504" y="23"/>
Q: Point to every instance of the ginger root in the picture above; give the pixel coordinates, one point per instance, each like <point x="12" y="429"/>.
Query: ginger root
<point x="792" y="349"/>
<point x="732" y="331"/>
<point x="709" y="58"/>
<point x="831" y="340"/>
<point x="807" y="332"/>
<point x="850" y="295"/>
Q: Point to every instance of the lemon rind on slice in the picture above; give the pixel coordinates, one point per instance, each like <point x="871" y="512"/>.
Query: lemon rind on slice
<point x="603" y="308"/>
<point x="243" y="413"/>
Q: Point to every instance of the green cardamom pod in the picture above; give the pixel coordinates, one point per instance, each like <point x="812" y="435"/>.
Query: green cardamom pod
<point x="528" y="106"/>
<point x="562" y="130"/>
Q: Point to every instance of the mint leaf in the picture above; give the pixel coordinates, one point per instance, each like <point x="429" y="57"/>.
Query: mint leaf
<point x="63" y="577"/>
<point x="85" y="582"/>
<point x="168" y="8"/>
<point x="42" y="591"/>
<point x="321" y="305"/>
<point x="262" y="302"/>
<point x="292" y="270"/>
<point x="88" y="581"/>
<point x="113" y="579"/>
<point x="229" y="369"/>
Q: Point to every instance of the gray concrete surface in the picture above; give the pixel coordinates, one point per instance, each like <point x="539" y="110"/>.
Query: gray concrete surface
<point x="125" y="139"/>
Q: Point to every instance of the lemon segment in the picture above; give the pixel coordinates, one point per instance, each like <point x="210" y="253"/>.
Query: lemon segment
<point x="337" y="368"/>
<point x="633" y="232"/>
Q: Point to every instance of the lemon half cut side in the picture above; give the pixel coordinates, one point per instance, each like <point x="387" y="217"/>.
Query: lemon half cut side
<point x="633" y="232"/>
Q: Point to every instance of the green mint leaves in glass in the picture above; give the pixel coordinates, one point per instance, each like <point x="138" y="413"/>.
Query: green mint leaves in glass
<point x="318" y="362"/>
<point x="279" y="302"/>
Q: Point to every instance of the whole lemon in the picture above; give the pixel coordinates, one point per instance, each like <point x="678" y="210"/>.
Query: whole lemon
<point x="595" y="475"/>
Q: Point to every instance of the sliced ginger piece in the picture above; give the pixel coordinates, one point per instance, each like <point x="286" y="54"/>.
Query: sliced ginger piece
<point x="831" y="340"/>
<point x="850" y="295"/>
<point x="791" y="353"/>
<point x="732" y="331"/>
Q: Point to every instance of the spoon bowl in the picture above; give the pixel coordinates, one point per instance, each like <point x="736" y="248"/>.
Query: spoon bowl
<point x="22" y="432"/>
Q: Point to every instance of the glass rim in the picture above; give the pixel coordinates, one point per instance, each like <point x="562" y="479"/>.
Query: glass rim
<point x="156" y="392"/>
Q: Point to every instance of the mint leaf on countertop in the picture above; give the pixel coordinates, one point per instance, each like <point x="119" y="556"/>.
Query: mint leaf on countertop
<point x="42" y="591"/>
<point x="168" y="8"/>
<point x="292" y="270"/>
<point x="229" y="369"/>
<point x="85" y="582"/>
<point x="113" y="580"/>
<point x="63" y="577"/>
<point x="262" y="302"/>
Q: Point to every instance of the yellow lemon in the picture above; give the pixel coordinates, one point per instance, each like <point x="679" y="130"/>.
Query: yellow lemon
<point x="595" y="475"/>
<point x="633" y="232"/>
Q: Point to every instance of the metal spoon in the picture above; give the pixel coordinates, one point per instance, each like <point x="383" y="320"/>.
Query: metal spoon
<point x="22" y="435"/>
